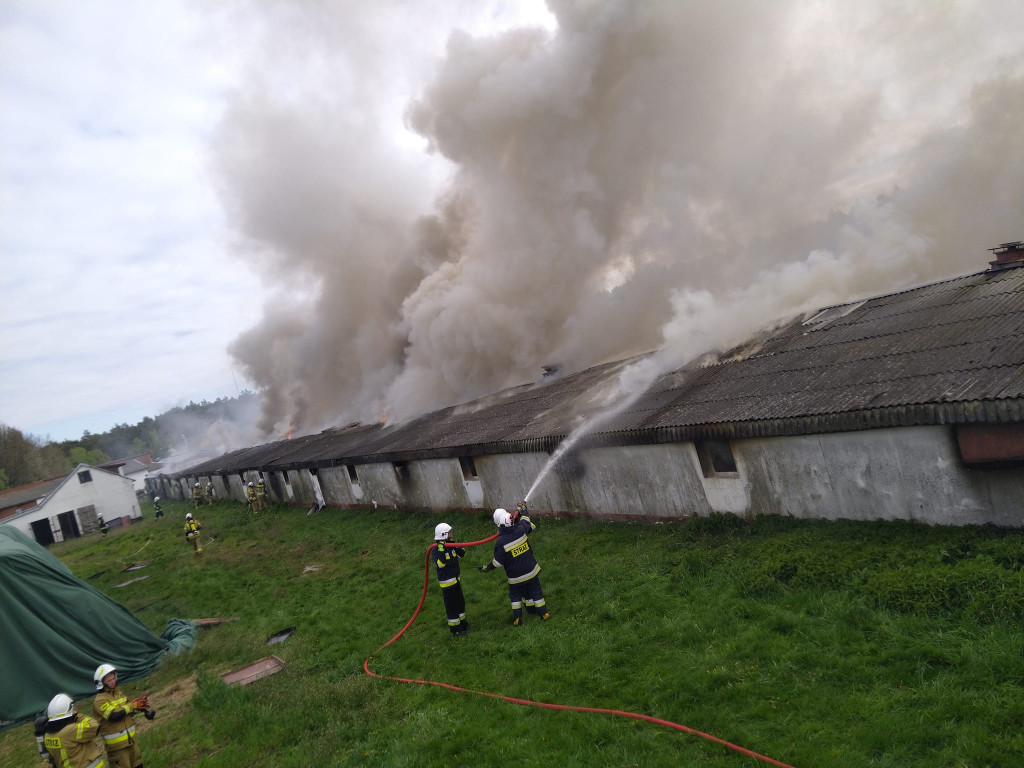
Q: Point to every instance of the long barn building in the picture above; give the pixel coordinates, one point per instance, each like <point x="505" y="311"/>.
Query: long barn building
<point x="905" y="406"/>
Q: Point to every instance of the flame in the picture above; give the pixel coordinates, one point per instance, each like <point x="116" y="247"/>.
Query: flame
<point x="384" y="419"/>
<point x="289" y="434"/>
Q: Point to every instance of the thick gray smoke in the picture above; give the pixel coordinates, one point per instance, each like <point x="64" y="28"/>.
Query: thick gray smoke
<point x="669" y="175"/>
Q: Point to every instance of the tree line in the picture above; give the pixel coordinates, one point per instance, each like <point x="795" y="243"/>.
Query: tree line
<point x="26" y="458"/>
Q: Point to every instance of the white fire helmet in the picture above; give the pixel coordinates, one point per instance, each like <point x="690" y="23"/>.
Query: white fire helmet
<point x="197" y="485"/>
<point x="250" y="482"/>
<point x="502" y="518"/>
<point x="60" y="706"/>
<point x="102" y="671"/>
<point x="188" y="515"/>
<point x="156" y="499"/>
<point x="442" y="531"/>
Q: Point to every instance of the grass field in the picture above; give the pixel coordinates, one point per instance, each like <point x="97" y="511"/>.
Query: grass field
<point x="816" y="644"/>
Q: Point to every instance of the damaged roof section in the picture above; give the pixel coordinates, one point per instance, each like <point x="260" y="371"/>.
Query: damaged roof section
<point x="944" y="353"/>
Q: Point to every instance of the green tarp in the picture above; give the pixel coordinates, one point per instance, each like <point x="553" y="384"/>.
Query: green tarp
<point x="55" y="630"/>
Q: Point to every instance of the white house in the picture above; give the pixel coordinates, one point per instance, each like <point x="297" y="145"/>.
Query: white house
<point x="71" y="509"/>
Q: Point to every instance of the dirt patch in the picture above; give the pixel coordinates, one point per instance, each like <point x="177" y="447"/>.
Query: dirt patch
<point x="171" y="702"/>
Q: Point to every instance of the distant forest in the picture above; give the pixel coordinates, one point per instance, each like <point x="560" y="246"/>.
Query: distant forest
<point x="27" y="458"/>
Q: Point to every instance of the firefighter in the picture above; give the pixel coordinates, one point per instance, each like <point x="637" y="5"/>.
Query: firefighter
<point x="447" y="561"/>
<point x="250" y="495"/>
<point x="70" y="737"/>
<point x="197" y="496"/>
<point x="208" y="493"/>
<point x="261" y="494"/>
<point x="512" y="551"/>
<point x="104" y="528"/>
<point x="192" y="528"/>
<point x="40" y="731"/>
<point x="117" y="718"/>
<point x="157" y="507"/>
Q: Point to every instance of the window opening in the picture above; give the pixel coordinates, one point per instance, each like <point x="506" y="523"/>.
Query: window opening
<point x="85" y="476"/>
<point x="401" y="470"/>
<point x="468" y="468"/>
<point x="715" y="457"/>
<point x="352" y="473"/>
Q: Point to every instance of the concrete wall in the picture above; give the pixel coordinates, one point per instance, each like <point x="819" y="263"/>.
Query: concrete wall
<point x="908" y="473"/>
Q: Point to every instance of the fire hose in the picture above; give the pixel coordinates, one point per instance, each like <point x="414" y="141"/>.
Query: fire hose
<point x="544" y="705"/>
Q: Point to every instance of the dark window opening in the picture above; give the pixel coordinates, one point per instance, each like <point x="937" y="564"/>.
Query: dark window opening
<point x="468" y="468"/>
<point x="352" y="473"/>
<point x="68" y="525"/>
<point x="286" y="480"/>
<point x="85" y="476"/>
<point x="41" y="530"/>
<point x="401" y="470"/>
<point x="716" y="458"/>
<point x="313" y="471"/>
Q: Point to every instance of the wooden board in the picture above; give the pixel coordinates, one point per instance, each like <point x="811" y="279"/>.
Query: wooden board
<point x="250" y="673"/>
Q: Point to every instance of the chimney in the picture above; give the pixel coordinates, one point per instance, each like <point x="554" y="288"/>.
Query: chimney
<point x="1008" y="255"/>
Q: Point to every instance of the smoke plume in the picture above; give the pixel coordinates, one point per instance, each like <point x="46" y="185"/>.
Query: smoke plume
<point x="444" y="210"/>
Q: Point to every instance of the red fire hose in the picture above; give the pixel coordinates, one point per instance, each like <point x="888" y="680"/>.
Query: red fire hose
<point x="528" y="702"/>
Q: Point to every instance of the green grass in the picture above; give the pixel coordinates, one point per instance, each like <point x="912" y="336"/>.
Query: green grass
<point x="817" y="644"/>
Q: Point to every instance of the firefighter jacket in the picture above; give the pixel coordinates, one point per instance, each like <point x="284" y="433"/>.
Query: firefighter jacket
<point x="117" y="725"/>
<point x="447" y="561"/>
<point x="250" y="493"/>
<point x="209" y="493"/>
<point x="197" y="494"/>
<point x="74" y="745"/>
<point x="512" y="551"/>
<point x="192" y="528"/>
<point x="261" y="489"/>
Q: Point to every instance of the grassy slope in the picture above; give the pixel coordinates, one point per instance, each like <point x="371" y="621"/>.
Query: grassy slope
<point x="817" y="644"/>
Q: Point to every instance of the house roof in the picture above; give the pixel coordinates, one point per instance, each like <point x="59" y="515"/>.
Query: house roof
<point x="58" y="483"/>
<point x="943" y="353"/>
<point x="14" y="497"/>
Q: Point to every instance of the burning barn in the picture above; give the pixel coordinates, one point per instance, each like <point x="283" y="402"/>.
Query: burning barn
<point x="908" y="405"/>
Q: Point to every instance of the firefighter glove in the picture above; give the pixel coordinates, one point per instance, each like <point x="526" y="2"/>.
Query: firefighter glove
<point x="484" y="568"/>
<point x="150" y="714"/>
<point x="140" y="704"/>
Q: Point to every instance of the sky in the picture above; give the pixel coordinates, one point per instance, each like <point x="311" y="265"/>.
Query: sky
<point x="369" y="210"/>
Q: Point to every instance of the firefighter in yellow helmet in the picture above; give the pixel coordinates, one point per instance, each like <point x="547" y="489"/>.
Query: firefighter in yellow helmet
<point x="192" y="536"/>
<point x="70" y="737"/>
<point x="250" y="495"/>
<point x="116" y="716"/>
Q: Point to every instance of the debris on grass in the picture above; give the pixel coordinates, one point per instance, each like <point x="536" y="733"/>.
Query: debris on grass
<point x="134" y="567"/>
<point x="203" y="623"/>
<point x="131" y="581"/>
<point x="250" y="673"/>
<point x="280" y="637"/>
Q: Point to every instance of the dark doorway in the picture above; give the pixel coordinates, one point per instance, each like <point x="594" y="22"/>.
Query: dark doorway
<point x="41" y="530"/>
<point x="68" y="525"/>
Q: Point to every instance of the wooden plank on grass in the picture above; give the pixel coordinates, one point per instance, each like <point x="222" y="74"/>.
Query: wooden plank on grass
<point x="210" y="622"/>
<point x="250" y="673"/>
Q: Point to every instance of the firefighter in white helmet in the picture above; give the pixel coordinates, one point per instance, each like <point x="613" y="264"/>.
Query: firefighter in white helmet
<point x="116" y="716"/>
<point x="192" y="536"/>
<point x="71" y="738"/>
<point x="512" y="551"/>
<point x="208" y="493"/>
<point x="250" y="495"/>
<point x="446" y="558"/>
<point x="197" y="495"/>
<point x="157" y="507"/>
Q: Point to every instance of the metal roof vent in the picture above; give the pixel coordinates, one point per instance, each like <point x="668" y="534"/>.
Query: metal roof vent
<point x="1008" y="255"/>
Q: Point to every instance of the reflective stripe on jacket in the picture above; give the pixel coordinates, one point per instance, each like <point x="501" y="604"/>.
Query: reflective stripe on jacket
<point x="447" y="561"/>
<point x="512" y="551"/>
<point x="115" y="734"/>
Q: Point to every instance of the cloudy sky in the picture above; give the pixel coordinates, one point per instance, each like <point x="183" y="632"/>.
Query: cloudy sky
<point x="368" y="209"/>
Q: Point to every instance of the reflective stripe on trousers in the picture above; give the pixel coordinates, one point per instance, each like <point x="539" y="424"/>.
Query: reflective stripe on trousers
<point x="117" y="738"/>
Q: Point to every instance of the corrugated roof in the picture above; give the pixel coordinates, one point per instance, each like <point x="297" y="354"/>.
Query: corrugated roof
<point x="948" y="352"/>
<point x="14" y="497"/>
